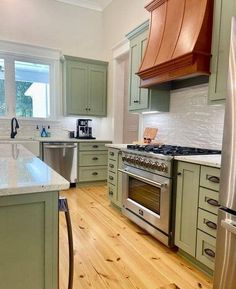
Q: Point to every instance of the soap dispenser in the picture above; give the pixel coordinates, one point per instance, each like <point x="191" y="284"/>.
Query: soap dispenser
<point x="43" y="132"/>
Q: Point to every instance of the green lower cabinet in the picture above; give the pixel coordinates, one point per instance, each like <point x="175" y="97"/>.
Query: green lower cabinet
<point x="206" y="248"/>
<point x="187" y="207"/>
<point x="114" y="177"/>
<point x="223" y="12"/>
<point x="29" y="241"/>
<point x="92" y="161"/>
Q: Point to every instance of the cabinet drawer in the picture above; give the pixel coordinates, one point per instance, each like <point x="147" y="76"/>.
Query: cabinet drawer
<point x="210" y="178"/>
<point x="112" y="192"/>
<point x="113" y="154"/>
<point x="91" y="146"/>
<point x="207" y="222"/>
<point x="112" y="165"/>
<point x="112" y="178"/>
<point x="206" y="249"/>
<point x="208" y="200"/>
<point x="92" y="159"/>
<point x="87" y="174"/>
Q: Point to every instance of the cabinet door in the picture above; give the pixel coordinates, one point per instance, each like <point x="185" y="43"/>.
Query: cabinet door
<point x="97" y="90"/>
<point x="223" y="12"/>
<point x="138" y="99"/>
<point x="187" y="207"/>
<point x="77" y="88"/>
<point x="29" y="241"/>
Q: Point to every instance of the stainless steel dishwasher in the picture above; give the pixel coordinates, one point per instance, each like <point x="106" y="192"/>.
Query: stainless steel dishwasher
<point x="62" y="157"/>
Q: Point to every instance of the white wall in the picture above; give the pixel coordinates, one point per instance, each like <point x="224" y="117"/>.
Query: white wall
<point x="48" y="23"/>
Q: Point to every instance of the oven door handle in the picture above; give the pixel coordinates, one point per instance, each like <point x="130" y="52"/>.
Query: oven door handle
<point x="156" y="184"/>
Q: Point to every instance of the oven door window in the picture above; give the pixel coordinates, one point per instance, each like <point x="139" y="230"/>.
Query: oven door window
<point x="144" y="194"/>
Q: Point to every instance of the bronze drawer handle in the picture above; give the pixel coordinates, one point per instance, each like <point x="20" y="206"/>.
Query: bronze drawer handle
<point x="110" y="193"/>
<point x="111" y="178"/>
<point x="95" y="159"/>
<point x="112" y="154"/>
<point x="213" y="179"/>
<point x="95" y="146"/>
<point x="210" y="253"/>
<point x="213" y="202"/>
<point x="136" y="101"/>
<point x="211" y="225"/>
<point x="111" y="166"/>
<point x="94" y="173"/>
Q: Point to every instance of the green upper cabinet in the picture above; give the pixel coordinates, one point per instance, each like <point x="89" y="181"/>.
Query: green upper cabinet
<point x="85" y="86"/>
<point x="143" y="99"/>
<point x="223" y="12"/>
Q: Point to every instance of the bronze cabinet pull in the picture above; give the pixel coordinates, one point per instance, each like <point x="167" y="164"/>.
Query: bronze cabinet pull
<point x="111" y="166"/>
<point x="110" y="193"/>
<point x="213" y="179"/>
<point x="111" y="178"/>
<point x="210" y="253"/>
<point x="112" y="154"/>
<point x="213" y="202"/>
<point x="95" y="146"/>
<point x="94" y="173"/>
<point x="95" y="159"/>
<point x="211" y="225"/>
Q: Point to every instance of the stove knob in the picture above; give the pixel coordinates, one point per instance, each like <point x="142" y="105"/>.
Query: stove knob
<point x="136" y="161"/>
<point x="146" y="163"/>
<point x="152" y="165"/>
<point x="124" y="158"/>
<point x="164" y="168"/>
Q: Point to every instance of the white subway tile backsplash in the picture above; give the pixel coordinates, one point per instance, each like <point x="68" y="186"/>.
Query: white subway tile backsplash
<point x="191" y="120"/>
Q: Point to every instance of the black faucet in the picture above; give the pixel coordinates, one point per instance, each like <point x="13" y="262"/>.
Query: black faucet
<point x="14" y="129"/>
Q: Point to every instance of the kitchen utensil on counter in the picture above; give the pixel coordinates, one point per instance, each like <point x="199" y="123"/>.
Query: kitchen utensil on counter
<point x="84" y="131"/>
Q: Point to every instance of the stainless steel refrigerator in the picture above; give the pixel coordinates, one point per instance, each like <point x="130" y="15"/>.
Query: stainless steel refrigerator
<point x="225" y="268"/>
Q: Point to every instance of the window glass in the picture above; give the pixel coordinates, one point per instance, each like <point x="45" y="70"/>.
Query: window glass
<point x="2" y="88"/>
<point x="32" y="89"/>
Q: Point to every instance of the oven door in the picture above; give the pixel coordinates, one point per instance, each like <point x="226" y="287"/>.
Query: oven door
<point x="147" y="196"/>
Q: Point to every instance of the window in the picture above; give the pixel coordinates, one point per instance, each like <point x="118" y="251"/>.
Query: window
<point x="32" y="89"/>
<point x="28" y="78"/>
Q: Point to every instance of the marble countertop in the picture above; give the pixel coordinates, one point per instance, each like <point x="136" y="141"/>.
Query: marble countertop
<point x="49" y="139"/>
<point x="117" y="146"/>
<point x="207" y="160"/>
<point x="22" y="173"/>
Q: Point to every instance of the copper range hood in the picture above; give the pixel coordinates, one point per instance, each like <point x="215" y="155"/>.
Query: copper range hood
<point x="179" y="44"/>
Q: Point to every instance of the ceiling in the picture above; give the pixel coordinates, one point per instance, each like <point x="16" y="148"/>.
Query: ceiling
<point x="98" y="5"/>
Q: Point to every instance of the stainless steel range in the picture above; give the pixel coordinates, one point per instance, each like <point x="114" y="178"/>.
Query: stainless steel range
<point x="148" y="198"/>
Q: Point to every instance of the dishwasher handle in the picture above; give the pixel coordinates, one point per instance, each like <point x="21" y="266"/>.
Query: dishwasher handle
<point x="59" y="146"/>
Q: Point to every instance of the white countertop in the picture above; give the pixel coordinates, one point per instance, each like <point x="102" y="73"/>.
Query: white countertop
<point x="21" y="172"/>
<point x="116" y="146"/>
<point x="58" y="139"/>
<point x="207" y="160"/>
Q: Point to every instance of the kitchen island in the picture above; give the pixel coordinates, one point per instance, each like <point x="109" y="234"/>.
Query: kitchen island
<point x="29" y="191"/>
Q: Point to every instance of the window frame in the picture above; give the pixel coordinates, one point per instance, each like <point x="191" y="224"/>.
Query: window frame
<point x="11" y="52"/>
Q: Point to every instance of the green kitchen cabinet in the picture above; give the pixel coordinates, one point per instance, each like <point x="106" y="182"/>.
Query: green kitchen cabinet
<point x="187" y="207"/>
<point x="85" y="86"/>
<point x="223" y="12"/>
<point x="143" y="99"/>
<point x="114" y="177"/>
<point x="29" y="241"/>
<point x="92" y="161"/>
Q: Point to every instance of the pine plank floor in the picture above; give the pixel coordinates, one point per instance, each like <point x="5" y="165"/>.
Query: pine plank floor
<point x="112" y="252"/>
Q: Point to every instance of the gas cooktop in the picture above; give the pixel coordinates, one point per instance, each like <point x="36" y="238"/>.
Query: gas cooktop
<point x="171" y="150"/>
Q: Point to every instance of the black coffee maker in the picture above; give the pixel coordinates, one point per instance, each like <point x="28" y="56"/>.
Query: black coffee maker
<point x="84" y="131"/>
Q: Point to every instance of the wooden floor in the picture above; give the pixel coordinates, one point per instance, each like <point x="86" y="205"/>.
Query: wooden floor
<point x="112" y="252"/>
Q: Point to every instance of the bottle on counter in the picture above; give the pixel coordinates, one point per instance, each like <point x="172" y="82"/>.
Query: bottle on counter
<point x="43" y="132"/>
<point x="48" y="131"/>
